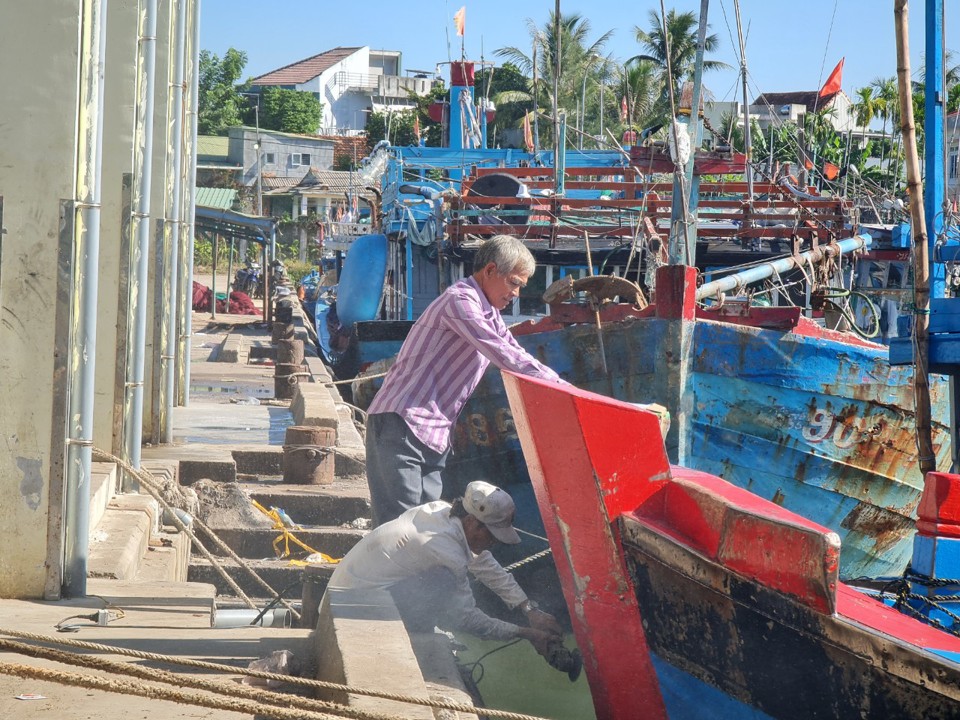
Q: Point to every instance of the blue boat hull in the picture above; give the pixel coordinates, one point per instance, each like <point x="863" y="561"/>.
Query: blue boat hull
<point x="821" y="427"/>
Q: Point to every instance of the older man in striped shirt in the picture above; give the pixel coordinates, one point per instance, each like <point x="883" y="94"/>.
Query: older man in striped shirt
<point x="439" y="366"/>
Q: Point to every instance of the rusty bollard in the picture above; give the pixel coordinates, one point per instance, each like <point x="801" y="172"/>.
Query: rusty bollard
<point x="285" y="380"/>
<point x="290" y="352"/>
<point x="308" y="455"/>
<point x="285" y="371"/>
<point x="282" y="327"/>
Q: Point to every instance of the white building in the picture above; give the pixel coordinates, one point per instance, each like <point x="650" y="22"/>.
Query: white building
<point x="350" y="82"/>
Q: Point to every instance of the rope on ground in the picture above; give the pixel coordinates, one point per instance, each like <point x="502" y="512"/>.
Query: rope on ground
<point x="124" y="687"/>
<point x="219" y="667"/>
<point x="152" y="486"/>
<point x="163" y="676"/>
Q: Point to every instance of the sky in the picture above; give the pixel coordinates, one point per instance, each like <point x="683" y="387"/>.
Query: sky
<point x="790" y="45"/>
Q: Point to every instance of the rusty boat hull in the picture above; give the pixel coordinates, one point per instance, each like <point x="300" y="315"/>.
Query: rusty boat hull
<point x="694" y="599"/>
<point x="816" y="421"/>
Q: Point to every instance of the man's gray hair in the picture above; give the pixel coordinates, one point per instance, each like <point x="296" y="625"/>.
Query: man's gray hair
<point x="507" y="253"/>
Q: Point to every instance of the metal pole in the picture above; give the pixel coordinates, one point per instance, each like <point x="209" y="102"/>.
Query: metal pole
<point x="186" y="295"/>
<point x="934" y="100"/>
<point x="256" y="117"/>
<point x="174" y="174"/>
<point x="140" y="249"/>
<point x="213" y="281"/>
<point x="583" y="108"/>
<point x="602" y="84"/>
<point x="83" y="313"/>
<point x="761" y="272"/>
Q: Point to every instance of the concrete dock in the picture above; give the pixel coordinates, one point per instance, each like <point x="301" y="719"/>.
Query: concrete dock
<point x="149" y="591"/>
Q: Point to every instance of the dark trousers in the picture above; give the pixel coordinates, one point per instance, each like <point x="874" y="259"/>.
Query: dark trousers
<point x="402" y="472"/>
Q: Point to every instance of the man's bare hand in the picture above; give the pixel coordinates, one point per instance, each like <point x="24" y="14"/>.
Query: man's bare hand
<point x="540" y="639"/>
<point x="544" y="621"/>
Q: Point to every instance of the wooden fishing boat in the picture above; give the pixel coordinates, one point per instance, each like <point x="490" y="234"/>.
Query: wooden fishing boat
<point x="693" y="598"/>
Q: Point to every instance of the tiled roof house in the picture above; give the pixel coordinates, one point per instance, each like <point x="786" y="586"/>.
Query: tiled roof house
<point x="350" y="82"/>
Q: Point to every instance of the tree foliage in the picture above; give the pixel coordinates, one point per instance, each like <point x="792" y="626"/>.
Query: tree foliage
<point x="291" y="111"/>
<point x="582" y="71"/>
<point x="218" y="103"/>
<point x="670" y="43"/>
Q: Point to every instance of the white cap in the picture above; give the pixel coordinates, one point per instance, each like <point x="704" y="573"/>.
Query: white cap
<point x="494" y="508"/>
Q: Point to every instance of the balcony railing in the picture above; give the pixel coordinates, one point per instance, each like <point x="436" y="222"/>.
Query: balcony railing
<point x="392" y="86"/>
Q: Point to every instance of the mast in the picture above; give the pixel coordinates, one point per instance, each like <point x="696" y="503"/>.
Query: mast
<point x="921" y="288"/>
<point x="747" y="139"/>
<point x="558" y="148"/>
<point x="683" y="226"/>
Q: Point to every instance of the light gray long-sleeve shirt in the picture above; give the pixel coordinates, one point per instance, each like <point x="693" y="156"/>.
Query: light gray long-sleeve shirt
<point x="419" y="540"/>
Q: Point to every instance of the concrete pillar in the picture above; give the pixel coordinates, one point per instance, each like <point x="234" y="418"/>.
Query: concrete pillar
<point x="118" y="123"/>
<point x="156" y="335"/>
<point x="38" y="134"/>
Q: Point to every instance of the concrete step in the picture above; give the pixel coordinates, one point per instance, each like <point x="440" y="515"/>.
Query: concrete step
<point x="313" y="505"/>
<point x="120" y="540"/>
<point x="181" y="604"/>
<point x="279" y="574"/>
<point x="104" y="484"/>
<point x="167" y="559"/>
<point x="257" y="543"/>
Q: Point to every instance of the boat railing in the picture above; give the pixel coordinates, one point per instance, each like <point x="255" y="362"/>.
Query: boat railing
<point x="612" y="202"/>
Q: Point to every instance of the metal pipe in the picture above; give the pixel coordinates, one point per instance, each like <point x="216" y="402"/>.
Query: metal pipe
<point x="140" y="249"/>
<point x="172" y="226"/>
<point x="274" y="617"/>
<point x="83" y="312"/>
<point x="761" y="272"/>
<point x="191" y="191"/>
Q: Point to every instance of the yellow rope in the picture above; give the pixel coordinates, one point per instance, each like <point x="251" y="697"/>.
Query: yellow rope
<point x="286" y="536"/>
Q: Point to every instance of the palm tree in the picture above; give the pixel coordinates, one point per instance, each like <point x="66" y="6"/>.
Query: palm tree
<point x="866" y="108"/>
<point x="577" y="57"/>
<point x="640" y="88"/>
<point x="888" y="107"/>
<point x="674" y="49"/>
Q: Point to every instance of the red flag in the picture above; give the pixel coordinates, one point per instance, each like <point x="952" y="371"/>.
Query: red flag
<point x="460" y="19"/>
<point x="623" y="109"/>
<point x="416" y="127"/>
<point x="832" y="85"/>
<point x="807" y="163"/>
<point x="527" y="133"/>
<point x="830" y="170"/>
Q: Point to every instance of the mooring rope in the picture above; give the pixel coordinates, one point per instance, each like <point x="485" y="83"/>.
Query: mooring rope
<point x="152" y="486"/>
<point x="219" y="667"/>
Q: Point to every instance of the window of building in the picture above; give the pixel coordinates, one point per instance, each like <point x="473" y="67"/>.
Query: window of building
<point x="297" y="159"/>
<point x="953" y="165"/>
<point x="268" y="159"/>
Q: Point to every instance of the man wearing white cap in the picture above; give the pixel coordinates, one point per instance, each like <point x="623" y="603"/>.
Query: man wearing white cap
<point x="423" y="557"/>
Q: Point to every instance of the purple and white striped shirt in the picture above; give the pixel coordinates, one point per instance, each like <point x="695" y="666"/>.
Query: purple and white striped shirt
<point x="443" y="359"/>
